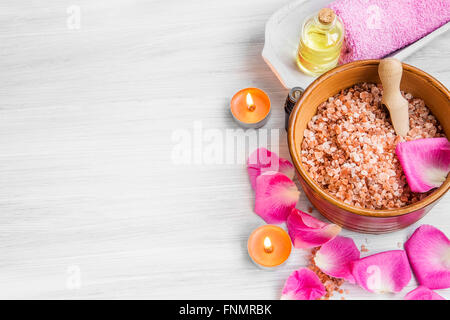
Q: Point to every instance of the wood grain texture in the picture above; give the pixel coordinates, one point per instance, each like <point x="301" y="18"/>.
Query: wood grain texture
<point x="88" y="184"/>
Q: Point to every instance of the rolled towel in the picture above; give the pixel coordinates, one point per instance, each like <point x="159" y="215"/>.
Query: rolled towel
<point x="376" y="28"/>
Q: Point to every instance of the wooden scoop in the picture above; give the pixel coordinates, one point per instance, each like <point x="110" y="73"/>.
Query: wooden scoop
<point x="390" y="71"/>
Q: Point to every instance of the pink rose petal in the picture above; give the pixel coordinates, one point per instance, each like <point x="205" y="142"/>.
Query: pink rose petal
<point x="275" y="196"/>
<point x="382" y="272"/>
<point x="425" y="162"/>
<point x="287" y="168"/>
<point x="428" y="251"/>
<point x="263" y="160"/>
<point x="334" y="257"/>
<point x="423" y="293"/>
<point x="303" y="284"/>
<point x="308" y="232"/>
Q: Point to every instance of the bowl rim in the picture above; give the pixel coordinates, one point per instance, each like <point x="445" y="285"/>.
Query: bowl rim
<point x="437" y="194"/>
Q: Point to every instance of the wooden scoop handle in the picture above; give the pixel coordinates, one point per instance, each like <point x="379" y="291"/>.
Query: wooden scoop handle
<point x="390" y="71"/>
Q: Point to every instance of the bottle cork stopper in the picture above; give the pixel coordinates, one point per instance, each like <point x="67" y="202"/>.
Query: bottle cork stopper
<point x="326" y="16"/>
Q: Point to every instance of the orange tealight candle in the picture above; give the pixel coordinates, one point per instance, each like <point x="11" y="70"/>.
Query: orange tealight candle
<point x="250" y="107"/>
<point x="269" y="246"/>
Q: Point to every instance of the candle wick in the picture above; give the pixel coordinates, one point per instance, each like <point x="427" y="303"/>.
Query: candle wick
<point x="250" y="104"/>
<point x="268" y="249"/>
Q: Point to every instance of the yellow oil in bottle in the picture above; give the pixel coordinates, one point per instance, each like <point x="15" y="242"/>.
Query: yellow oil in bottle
<point x="320" y="43"/>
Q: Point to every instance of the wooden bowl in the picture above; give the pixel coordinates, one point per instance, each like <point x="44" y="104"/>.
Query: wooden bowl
<point x="415" y="81"/>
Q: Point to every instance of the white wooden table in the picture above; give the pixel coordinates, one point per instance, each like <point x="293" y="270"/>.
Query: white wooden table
<point x="92" y="204"/>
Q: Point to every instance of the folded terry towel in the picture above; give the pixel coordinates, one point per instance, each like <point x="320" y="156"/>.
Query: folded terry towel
<point x="376" y="28"/>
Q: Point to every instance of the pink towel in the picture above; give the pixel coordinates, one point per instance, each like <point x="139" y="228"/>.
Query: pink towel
<point x="376" y="28"/>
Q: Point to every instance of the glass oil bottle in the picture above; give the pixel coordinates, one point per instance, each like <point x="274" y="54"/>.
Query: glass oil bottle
<point x="320" y="43"/>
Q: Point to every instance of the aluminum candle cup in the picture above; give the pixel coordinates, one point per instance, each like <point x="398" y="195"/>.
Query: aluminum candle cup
<point x="269" y="246"/>
<point x="250" y="108"/>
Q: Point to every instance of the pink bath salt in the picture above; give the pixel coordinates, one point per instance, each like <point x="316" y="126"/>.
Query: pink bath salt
<point x="263" y="160"/>
<point x="353" y="158"/>
<point x="334" y="257"/>
<point x="428" y="252"/>
<point x="275" y="196"/>
<point x="308" y="232"/>
<point x="423" y="293"/>
<point x="382" y="272"/>
<point x="425" y="162"/>
<point x="303" y="284"/>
